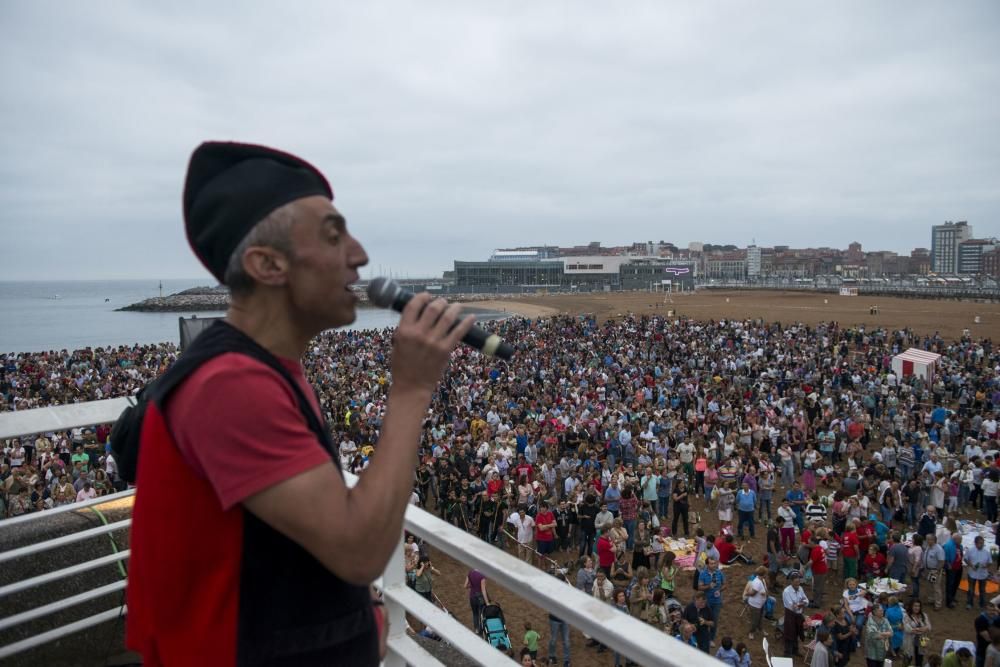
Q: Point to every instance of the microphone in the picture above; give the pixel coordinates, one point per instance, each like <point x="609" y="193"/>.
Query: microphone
<point x="387" y="293"/>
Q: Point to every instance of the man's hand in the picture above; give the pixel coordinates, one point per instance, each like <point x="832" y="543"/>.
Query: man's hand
<point x="424" y="340"/>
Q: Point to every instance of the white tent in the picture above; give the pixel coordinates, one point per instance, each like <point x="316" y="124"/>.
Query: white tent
<point x="915" y="362"/>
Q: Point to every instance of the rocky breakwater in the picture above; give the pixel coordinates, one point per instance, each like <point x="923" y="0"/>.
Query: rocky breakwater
<point x="190" y="300"/>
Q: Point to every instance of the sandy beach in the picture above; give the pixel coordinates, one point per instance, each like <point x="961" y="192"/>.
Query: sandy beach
<point x="949" y="318"/>
<point x="517" y="307"/>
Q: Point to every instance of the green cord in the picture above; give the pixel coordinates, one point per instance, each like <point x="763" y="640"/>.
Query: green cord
<point x="114" y="545"/>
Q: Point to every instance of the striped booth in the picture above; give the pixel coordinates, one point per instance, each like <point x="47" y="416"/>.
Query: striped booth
<point x="915" y="362"/>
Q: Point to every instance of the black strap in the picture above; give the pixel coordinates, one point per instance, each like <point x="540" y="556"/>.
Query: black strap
<point x="219" y="339"/>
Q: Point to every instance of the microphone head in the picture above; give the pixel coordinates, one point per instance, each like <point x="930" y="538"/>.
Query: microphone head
<point x="382" y="291"/>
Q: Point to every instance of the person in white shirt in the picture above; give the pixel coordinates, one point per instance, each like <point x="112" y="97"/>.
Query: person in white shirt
<point x="972" y="449"/>
<point x="111" y="467"/>
<point x="17" y="455"/>
<point x="525" y="526"/>
<point x="347" y="451"/>
<point x="685" y="451"/>
<point x="483" y="451"/>
<point x="603" y="589"/>
<point x="794" y="599"/>
<point x="505" y="452"/>
<point x="933" y="466"/>
<point x="977" y="562"/>
<point x="755" y="595"/>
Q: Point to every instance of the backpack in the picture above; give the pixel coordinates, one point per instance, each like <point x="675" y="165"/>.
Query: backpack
<point x="218" y="339"/>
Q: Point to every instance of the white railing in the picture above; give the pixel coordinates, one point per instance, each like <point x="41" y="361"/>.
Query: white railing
<point x="642" y="643"/>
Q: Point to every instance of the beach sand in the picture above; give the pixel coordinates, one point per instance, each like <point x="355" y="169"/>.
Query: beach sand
<point x="517" y="307"/>
<point x="925" y="316"/>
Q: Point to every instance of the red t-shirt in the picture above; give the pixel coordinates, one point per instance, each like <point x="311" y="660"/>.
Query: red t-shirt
<point x="866" y="534"/>
<point x="605" y="554"/>
<point x="850" y="543"/>
<point x="238" y="425"/>
<point x="727" y="551"/>
<point x="818" y="558"/>
<point x="875" y="564"/>
<point x="544" y="535"/>
<point x="855" y="430"/>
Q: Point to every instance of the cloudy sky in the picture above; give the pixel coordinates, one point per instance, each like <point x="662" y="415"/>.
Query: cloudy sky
<point x="450" y="129"/>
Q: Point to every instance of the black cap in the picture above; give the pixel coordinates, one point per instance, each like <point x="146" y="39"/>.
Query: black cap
<point x="230" y="187"/>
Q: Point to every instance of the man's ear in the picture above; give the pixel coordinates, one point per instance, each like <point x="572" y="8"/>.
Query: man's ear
<point x="267" y="266"/>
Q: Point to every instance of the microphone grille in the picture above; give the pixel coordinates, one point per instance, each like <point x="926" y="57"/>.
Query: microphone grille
<point x="382" y="290"/>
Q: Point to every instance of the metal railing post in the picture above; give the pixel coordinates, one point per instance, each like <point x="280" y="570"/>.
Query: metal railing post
<point x="394" y="577"/>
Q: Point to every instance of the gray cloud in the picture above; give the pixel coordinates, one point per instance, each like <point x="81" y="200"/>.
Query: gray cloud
<point x="449" y="129"/>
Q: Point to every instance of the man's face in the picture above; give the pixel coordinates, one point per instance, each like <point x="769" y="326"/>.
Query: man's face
<point x="325" y="263"/>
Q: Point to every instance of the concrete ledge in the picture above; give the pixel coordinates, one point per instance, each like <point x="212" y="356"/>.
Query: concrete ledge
<point x="99" y="645"/>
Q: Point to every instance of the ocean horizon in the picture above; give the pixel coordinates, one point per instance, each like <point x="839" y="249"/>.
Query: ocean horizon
<point x="40" y="315"/>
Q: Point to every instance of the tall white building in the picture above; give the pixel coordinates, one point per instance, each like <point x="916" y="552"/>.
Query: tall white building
<point x="753" y="261"/>
<point x="945" y="240"/>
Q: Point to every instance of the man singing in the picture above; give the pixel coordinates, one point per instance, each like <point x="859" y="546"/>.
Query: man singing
<point x="268" y="558"/>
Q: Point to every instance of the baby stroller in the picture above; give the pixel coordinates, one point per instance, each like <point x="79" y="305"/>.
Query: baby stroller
<point x="494" y="629"/>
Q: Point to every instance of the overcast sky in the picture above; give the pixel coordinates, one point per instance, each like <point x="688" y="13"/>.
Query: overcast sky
<point x="450" y="129"/>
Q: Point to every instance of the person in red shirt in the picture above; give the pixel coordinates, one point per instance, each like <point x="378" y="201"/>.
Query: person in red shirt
<point x="545" y="531"/>
<point x="727" y="550"/>
<point x="850" y="550"/>
<point x="875" y="563"/>
<point x="819" y="569"/>
<point x="866" y="535"/>
<point x="524" y="468"/>
<point x="605" y="553"/>
<point x="494" y="486"/>
<point x="286" y="549"/>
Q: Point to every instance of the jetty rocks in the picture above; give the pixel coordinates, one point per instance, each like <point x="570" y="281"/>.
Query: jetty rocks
<point x="190" y="300"/>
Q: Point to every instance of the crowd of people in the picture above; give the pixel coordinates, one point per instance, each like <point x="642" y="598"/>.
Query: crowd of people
<point x="45" y="470"/>
<point x="608" y="442"/>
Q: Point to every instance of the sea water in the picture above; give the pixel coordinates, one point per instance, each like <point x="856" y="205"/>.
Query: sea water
<point x="54" y="315"/>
